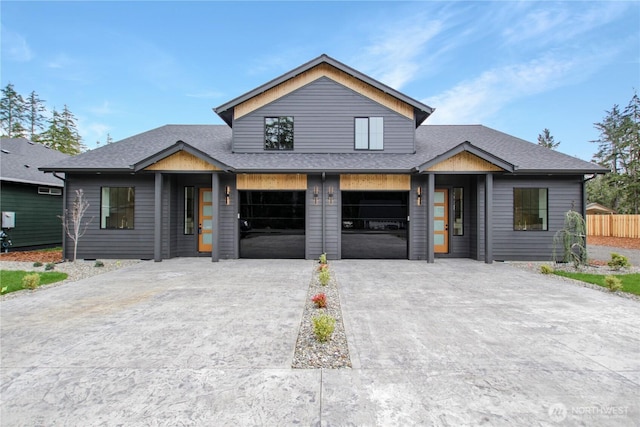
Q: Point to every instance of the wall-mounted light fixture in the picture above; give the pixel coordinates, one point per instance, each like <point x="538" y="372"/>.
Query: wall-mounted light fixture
<point x="331" y="195"/>
<point x="419" y="196"/>
<point x="316" y="191"/>
<point x="227" y="195"/>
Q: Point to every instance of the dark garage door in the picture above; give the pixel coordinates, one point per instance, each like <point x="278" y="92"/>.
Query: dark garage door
<point x="272" y="224"/>
<point x="374" y="224"/>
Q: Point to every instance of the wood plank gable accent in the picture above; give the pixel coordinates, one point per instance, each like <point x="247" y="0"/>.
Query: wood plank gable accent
<point x="323" y="70"/>
<point x="267" y="181"/>
<point x="465" y="162"/>
<point x="182" y="161"/>
<point x="375" y="182"/>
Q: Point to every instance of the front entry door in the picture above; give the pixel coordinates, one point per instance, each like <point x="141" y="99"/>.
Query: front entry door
<point x="205" y="220"/>
<point x="441" y="221"/>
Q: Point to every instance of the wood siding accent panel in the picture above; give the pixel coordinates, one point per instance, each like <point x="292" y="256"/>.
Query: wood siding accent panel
<point x="375" y="182"/>
<point x="465" y="162"/>
<point x="324" y="121"/>
<point x="37" y="221"/>
<point x="182" y="161"/>
<point x="271" y="182"/>
<point x="124" y="244"/>
<point x="564" y="193"/>
<point x="319" y="71"/>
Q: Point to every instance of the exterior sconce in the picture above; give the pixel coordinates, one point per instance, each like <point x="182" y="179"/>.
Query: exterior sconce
<point x="227" y="195"/>
<point x="419" y="198"/>
<point x="316" y="190"/>
<point x="331" y="195"/>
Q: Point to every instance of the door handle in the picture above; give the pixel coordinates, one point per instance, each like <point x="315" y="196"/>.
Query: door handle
<point x="199" y="228"/>
<point x="446" y="227"/>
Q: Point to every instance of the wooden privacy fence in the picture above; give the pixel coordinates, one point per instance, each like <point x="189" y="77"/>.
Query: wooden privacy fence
<point x="613" y="225"/>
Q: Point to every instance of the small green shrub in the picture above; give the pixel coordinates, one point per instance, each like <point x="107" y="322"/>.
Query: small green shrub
<point x="613" y="283"/>
<point x="618" y="261"/>
<point x="31" y="281"/>
<point x="320" y="300"/>
<point x="49" y="266"/>
<point x="546" y="269"/>
<point x="37" y="264"/>
<point x="4" y="289"/>
<point x="323" y="327"/>
<point x="323" y="259"/>
<point x="324" y="277"/>
<point x="99" y="264"/>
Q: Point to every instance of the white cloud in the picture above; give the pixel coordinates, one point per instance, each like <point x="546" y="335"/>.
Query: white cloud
<point x="14" y="46"/>
<point x="102" y="109"/>
<point x="477" y="99"/>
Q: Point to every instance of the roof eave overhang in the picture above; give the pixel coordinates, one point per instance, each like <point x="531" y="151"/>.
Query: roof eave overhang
<point x="422" y="111"/>
<point x="175" y="148"/>
<point x="561" y="171"/>
<point x="470" y="148"/>
<point x="25" y="181"/>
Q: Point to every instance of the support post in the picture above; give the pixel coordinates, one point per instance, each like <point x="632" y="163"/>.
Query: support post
<point x="431" y="188"/>
<point x="215" y="212"/>
<point x="488" y="218"/>
<point x="157" y="228"/>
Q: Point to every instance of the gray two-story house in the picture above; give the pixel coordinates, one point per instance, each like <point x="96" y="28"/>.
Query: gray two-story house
<point x="324" y="159"/>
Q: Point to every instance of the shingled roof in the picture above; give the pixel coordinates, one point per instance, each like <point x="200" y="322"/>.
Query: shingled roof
<point x="431" y="142"/>
<point x="21" y="158"/>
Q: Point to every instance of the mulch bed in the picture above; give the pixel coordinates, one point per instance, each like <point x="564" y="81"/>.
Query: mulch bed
<point x="616" y="242"/>
<point x="32" y="256"/>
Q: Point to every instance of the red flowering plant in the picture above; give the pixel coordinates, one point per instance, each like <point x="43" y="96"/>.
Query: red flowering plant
<point x="320" y="300"/>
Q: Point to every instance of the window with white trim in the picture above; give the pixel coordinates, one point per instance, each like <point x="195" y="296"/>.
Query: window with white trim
<point x="369" y="133"/>
<point x="51" y="191"/>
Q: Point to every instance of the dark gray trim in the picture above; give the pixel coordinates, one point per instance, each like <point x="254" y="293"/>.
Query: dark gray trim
<point x="470" y="148"/>
<point x="488" y="218"/>
<point x="157" y="228"/>
<point x="215" y="208"/>
<point x="421" y="111"/>
<point x="430" y="190"/>
<point x="178" y="146"/>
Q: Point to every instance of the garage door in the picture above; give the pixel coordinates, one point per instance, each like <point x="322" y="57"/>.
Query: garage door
<point x="374" y="224"/>
<point x="272" y="224"/>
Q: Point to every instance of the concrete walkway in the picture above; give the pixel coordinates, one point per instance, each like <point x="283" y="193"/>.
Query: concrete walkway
<point x="190" y="342"/>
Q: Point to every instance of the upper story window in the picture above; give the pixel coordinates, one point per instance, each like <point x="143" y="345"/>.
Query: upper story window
<point x="278" y="133"/>
<point x="117" y="207"/>
<point x="369" y="133"/>
<point x="530" y="209"/>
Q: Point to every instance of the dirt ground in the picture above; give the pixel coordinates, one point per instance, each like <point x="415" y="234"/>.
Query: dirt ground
<point x="56" y="256"/>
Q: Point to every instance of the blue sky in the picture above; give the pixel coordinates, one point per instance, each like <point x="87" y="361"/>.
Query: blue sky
<point x="519" y="67"/>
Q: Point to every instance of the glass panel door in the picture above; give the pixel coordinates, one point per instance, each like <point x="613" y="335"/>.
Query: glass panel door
<point x="205" y="220"/>
<point x="441" y="221"/>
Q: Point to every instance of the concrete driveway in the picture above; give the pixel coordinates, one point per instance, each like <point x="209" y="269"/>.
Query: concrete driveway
<point x="190" y="342"/>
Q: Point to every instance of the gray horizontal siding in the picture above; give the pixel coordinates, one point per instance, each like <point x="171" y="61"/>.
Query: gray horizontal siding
<point x="324" y="113"/>
<point x="228" y="222"/>
<point x="563" y="194"/>
<point x="418" y="226"/>
<point x="99" y="243"/>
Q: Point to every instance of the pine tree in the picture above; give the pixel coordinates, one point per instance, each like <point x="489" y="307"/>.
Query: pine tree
<point x="35" y="115"/>
<point x="546" y="140"/>
<point x="62" y="134"/>
<point x="12" y="112"/>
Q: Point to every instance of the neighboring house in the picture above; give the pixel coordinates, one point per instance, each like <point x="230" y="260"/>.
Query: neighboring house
<point x="324" y="159"/>
<point x="598" y="209"/>
<point x="33" y="196"/>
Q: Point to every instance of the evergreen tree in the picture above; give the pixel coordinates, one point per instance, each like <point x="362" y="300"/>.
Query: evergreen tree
<point x="35" y="115"/>
<point x="619" y="150"/>
<point x="546" y="140"/>
<point x="62" y="134"/>
<point x="12" y="112"/>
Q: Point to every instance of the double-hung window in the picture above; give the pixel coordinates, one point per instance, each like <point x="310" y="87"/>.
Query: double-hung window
<point x="117" y="207"/>
<point x="278" y="133"/>
<point x="530" y="209"/>
<point x="369" y="133"/>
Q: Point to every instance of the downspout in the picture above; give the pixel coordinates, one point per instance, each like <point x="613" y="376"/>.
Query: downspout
<point x="324" y="177"/>
<point x="64" y="210"/>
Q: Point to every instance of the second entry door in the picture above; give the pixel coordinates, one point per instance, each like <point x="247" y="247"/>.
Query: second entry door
<point x="441" y="221"/>
<point x="205" y="220"/>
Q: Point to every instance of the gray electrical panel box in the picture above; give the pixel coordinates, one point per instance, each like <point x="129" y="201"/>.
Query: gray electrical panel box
<point x="8" y="220"/>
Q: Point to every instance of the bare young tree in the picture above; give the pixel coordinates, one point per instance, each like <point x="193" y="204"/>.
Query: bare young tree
<point x="72" y="220"/>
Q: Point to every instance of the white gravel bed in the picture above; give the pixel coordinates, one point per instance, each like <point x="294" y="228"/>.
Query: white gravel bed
<point x="76" y="270"/>
<point x="311" y="353"/>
